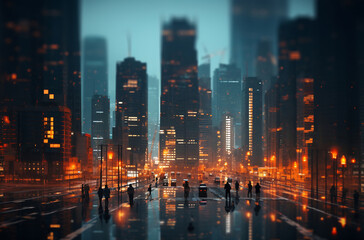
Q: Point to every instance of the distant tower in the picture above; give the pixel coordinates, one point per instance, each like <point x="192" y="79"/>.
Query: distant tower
<point x="94" y="80"/>
<point x="205" y="112"/>
<point x="179" y="128"/>
<point x="131" y="123"/>
<point x="100" y="116"/>
<point x="252" y="22"/>
<point x="253" y="121"/>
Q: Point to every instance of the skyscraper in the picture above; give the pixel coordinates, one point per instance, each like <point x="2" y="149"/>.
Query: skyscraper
<point x="153" y="114"/>
<point x="252" y="22"/>
<point x="179" y="127"/>
<point x="100" y="127"/>
<point x="252" y="127"/>
<point x="204" y="81"/>
<point x="39" y="70"/>
<point x="227" y="97"/>
<point x="131" y="125"/>
<point x="94" y="79"/>
<point x="296" y="70"/>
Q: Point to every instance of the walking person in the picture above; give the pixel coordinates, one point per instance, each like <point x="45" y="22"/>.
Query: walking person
<point x="237" y="185"/>
<point x="83" y="191"/>
<point x="186" y="190"/>
<point x="107" y="196"/>
<point x="150" y="191"/>
<point x="257" y="191"/>
<point x="156" y="182"/>
<point x="100" y="193"/>
<point x="250" y="189"/>
<point x="227" y="188"/>
<point x="131" y="194"/>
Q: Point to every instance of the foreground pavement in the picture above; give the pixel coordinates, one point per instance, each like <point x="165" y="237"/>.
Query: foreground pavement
<point x="279" y="214"/>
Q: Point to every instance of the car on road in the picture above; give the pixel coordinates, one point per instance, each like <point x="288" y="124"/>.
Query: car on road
<point x="173" y="182"/>
<point x="202" y="190"/>
<point x="165" y="182"/>
<point x="217" y="180"/>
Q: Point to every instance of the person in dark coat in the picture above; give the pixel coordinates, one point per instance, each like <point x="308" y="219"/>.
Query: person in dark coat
<point x="227" y="188"/>
<point x="131" y="194"/>
<point x="100" y="193"/>
<point x="107" y="196"/>
<point x="150" y="191"/>
<point x="237" y="185"/>
<point x="257" y="190"/>
<point x="250" y="189"/>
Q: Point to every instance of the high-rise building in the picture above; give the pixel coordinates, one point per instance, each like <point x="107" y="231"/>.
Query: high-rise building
<point x="252" y="115"/>
<point x="227" y="140"/>
<point x="39" y="67"/>
<point x="272" y="130"/>
<point x="338" y="99"/>
<point x="153" y="115"/>
<point x="252" y="22"/>
<point x="100" y="126"/>
<point x="131" y="125"/>
<point x="94" y="79"/>
<point x="296" y="71"/>
<point x="204" y="81"/>
<point x="227" y="97"/>
<point x="179" y="126"/>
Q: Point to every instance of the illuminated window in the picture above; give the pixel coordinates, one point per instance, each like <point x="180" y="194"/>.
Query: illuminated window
<point x="45" y="91"/>
<point x="51" y="96"/>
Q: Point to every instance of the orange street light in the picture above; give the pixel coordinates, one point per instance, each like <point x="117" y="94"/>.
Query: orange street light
<point x="334" y="154"/>
<point x="353" y="160"/>
<point x="110" y="155"/>
<point x="272" y="158"/>
<point x="343" y="160"/>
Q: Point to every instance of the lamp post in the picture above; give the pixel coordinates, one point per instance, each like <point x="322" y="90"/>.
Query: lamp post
<point x="343" y="164"/>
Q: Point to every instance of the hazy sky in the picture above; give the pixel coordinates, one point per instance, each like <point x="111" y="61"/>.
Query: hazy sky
<point x="142" y="19"/>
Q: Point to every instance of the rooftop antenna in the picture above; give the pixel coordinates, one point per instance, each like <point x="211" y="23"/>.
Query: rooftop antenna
<point x="129" y="44"/>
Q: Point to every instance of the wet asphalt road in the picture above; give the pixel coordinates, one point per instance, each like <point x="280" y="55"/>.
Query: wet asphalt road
<point x="280" y="213"/>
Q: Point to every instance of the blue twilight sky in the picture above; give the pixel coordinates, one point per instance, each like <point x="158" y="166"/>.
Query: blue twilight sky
<point x="142" y="19"/>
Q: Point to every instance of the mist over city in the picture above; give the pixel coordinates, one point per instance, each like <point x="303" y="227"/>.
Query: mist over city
<point x="184" y="119"/>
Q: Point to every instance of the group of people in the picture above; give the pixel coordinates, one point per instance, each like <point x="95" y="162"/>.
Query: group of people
<point x="227" y="188"/>
<point x="104" y="193"/>
<point x="333" y="196"/>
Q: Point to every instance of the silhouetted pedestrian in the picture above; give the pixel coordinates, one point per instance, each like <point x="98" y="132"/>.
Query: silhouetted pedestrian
<point x="356" y="200"/>
<point x="131" y="194"/>
<point x="100" y="193"/>
<point x="227" y="188"/>
<point x="237" y="186"/>
<point x="107" y="196"/>
<point x="156" y="182"/>
<point x="257" y="191"/>
<point x="250" y="189"/>
<point x="186" y="190"/>
<point x="150" y="191"/>
<point x="332" y="194"/>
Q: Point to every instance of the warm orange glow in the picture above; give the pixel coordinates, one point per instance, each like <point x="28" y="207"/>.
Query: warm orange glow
<point x="248" y="215"/>
<point x="13" y="76"/>
<point x="273" y="217"/>
<point x="55" y="145"/>
<point x="110" y="155"/>
<point x="6" y="119"/>
<point x="343" y="160"/>
<point x="248" y="153"/>
<point x="45" y="91"/>
<point x="73" y="167"/>
<point x="304" y="158"/>
<point x="295" y="165"/>
<point x="265" y="159"/>
<point x="334" y="154"/>
<point x="334" y="231"/>
<point x="51" y="96"/>
<point x="342" y="221"/>
<point x="353" y="160"/>
<point x="165" y="152"/>
<point x="225" y="163"/>
<point x="272" y="158"/>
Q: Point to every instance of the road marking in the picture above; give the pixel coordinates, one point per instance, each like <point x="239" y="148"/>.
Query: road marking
<point x="301" y="229"/>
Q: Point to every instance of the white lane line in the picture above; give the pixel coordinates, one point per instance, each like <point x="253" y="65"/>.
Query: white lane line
<point x="301" y="229"/>
<point x="86" y="226"/>
<point x="59" y="210"/>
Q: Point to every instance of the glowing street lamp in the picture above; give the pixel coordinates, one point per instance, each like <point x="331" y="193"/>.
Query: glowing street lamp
<point x="343" y="160"/>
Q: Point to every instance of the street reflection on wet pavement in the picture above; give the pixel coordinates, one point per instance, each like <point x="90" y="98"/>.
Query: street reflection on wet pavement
<point x="278" y="214"/>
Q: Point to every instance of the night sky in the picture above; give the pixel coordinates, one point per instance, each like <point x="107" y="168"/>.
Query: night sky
<point x="142" y="20"/>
